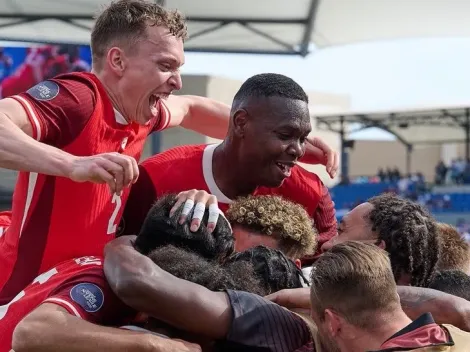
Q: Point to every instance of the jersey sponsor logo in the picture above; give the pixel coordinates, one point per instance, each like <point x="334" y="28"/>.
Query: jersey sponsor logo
<point x="44" y="91"/>
<point x="88" y="296"/>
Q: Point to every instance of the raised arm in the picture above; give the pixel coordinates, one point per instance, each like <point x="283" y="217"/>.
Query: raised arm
<point x="142" y="285"/>
<point x="33" y="129"/>
<point x="20" y="151"/>
<point x="51" y="328"/>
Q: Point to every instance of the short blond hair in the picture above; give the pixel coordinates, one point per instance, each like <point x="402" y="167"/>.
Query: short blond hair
<point x="354" y="279"/>
<point x="124" y="23"/>
<point x="455" y="251"/>
<point x="274" y="216"/>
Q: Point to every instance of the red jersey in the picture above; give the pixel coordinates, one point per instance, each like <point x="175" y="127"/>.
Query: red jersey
<point x="190" y="167"/>
<point x="54" y="218"/>
<point x="78" y="286"/>
<point x="5" y="221"/>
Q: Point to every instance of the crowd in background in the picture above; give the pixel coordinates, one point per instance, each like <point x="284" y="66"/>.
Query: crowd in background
<point x="458" y="172"/>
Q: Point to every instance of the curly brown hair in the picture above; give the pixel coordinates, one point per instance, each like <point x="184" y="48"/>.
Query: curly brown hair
<point x="277" y="217"/>
<point x="410" y="235"/>
<point x="125" y="22"/>
<point x="455" y="251"/>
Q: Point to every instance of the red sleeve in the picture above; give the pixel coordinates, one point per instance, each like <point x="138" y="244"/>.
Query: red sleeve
<point x="88" y="296"/>
<point x="164" y="118"/>
<point x="141" y="198"/>
<point x="325" y="218"/>
<point x="58" y="109"/>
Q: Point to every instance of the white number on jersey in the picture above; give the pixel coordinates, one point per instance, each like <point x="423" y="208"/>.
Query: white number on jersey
<point x="39" y="280"/>
<point x="112" y="226"/>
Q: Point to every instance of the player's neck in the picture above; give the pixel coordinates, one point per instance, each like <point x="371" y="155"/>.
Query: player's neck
<point x="229" y="177"/>
<point x="115" y="101"/>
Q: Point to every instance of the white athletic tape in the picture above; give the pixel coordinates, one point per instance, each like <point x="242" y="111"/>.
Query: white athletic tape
<point x="214" y="212"/>
<point x="188" y="206"/>
<point x="199" y="210"/>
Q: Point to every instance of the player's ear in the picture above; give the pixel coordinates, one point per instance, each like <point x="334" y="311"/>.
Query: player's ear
<point x="239" y="122"/>
<point x="116" y="60"/>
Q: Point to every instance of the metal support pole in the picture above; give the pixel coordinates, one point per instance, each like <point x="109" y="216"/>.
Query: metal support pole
<point x="409" y="150"/>
<point x="156" y="142"/>
<point x="467" y="134"/>
<point x="344" y="152"/>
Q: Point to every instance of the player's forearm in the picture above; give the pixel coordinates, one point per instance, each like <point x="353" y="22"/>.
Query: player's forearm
<point x="18" y="151"/>
<point x="142" y="285"/>
<point x="207" y="116"/>
<point x="313" y="155"/>
<point x="60" y="331"/>
<point x="445" y="308"/>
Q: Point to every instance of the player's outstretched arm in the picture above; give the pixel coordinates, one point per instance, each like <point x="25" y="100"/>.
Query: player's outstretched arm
<point x="142" y="285"/>
<point x="51" y="328"/>
<point x="415" y="301"/>
<point x="19" y="151"/>
<point x="445" y="308"/>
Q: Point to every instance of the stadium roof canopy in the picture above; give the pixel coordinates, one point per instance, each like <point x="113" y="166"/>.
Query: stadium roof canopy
<point x="252" y="26"/>
<point x="421" y="126"/>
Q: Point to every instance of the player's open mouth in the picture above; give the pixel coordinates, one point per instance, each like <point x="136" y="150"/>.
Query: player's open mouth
<point x="153" y="103"/>
<point x="285" y="168"/>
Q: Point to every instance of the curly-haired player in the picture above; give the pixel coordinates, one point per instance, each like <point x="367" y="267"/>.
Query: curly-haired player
<point x="274" y="222"/>
<point x="403" y="228"/>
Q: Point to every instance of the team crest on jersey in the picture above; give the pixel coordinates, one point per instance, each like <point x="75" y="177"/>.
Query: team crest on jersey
<point x="44" y="91"/>
<point x="88" y="296"/>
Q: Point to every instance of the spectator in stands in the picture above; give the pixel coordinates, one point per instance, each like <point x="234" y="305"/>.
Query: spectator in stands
<point x="273" y="222"/>
<point x="356" y="307"/>
<point x="454" y="282"/>
<point x="441" y="172"/>
<point x="381" y="174"/>
<point x="403" y="228"/>
<point x="455" y="251"/>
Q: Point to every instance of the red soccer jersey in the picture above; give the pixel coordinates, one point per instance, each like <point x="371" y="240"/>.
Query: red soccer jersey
<point x="190" y="167"/>
<point x="77" y="285"/>
<point x="54" y="218"/>
<point x="5" y="221"/>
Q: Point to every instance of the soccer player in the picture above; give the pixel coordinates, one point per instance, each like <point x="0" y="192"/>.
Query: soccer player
<point x="356" y="307"/>
<point x="91" y="128"/>
<point x="77" y="289"/>
<point x="405" y="229"/>
<point x="267" y="137"/>
<point x="272" y="222"/>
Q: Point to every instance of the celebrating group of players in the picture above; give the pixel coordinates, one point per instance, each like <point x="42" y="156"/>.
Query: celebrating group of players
<point x="192" y="278"/>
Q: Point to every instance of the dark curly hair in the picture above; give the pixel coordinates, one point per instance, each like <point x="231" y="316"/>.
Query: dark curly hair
<point x="410" y="234"/>
<point x="275" y="271"/>
<point x="159" y="229"/>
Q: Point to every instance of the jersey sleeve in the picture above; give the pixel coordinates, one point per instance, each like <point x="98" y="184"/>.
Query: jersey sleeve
<point x="88" y="296"/>
<point x="58" y="109"/>
<point x="325" y="217"/>
<point x="164" y="119"/>
<point x="260" y="324"/>
<point x="141" y="198"/>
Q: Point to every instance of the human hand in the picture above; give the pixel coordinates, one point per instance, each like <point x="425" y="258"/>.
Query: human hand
<point x="198" y="200"/>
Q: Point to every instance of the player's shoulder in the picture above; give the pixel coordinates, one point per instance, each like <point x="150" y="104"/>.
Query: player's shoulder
<point x="75" y="86"/>
<point x="302" y="177"/>
<point x="178" y="155"/>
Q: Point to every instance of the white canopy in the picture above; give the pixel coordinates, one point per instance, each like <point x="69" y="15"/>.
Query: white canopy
<point x="252" y="26"/>
<point x="419" y="126"/>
